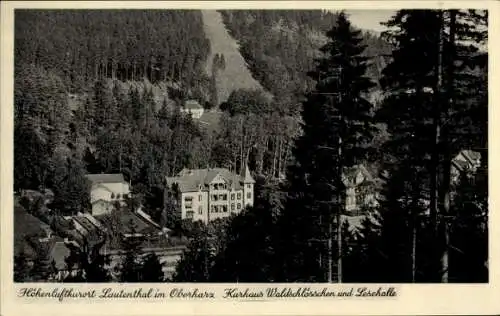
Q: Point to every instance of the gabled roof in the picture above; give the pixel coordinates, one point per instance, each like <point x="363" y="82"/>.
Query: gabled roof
<point x="106" y="178"/>
<point x="126" y="218"/>
<point x="190" y="180"/>
<point x="472" y="156"/>
<point x="192" y="105"/>
<point x="88" y="225"/>
<point x="350" y="174"/>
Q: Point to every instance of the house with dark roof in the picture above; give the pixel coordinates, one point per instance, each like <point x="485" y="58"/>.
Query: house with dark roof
<point x="192" y="107"/>
<point x="465" y="162"/>
<point x="360" y="189"/>
<point x="106" y="190"/>
<point x="211" y="193"/>
<point x="124" y="223"/>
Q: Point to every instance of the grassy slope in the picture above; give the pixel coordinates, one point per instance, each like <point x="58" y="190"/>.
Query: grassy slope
<point x="236" y="74"/>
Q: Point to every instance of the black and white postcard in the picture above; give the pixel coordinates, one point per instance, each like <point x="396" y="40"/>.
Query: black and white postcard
<point x="249" y="157"/>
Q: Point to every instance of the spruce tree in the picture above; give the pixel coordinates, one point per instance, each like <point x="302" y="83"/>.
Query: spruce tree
<point x="21" y="268"/>
<point x="428" y="125"/>
<point x="469" y="230"/>
<point x="197" y="260"/>
<point x="151" y="270"/>
<point x="248" y="254"/>
<point x="337" y="131"/>
<point x="130" y="270"/>
<point x="42" y="270"/>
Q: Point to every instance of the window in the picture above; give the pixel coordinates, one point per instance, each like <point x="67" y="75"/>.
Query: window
<point x="118" y="195"/>
<point x="224" y="197"/>
<point x="188" y="201"/>
<point x="239" y="206"/>
<point x="200" y="210"/>
<point x="239" y="196"/>
<point x="224" y="208"/>
<point x="189" y="214"/>
<point x="232" y="196"/>
<point x="249" y="195"/>
<point x="232" y="206"/>
<point x="214" y="197"/>
<point x="249" y="186"/>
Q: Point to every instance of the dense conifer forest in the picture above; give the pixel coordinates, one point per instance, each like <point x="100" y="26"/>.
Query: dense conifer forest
<point x="280" y="46"/>
<point x="86" y="45"/>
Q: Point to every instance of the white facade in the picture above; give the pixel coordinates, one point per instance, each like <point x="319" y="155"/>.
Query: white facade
<point x="217" y="193"/>
<point x="106" y="190"/>
<point x="195" y="113"/>
<point x="194" y="108"/>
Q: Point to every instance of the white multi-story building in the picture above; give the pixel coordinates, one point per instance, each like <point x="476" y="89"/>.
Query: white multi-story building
<point x="107" y="189"/>
<point x="192" y="107"/>
<point x="212" y="193"/>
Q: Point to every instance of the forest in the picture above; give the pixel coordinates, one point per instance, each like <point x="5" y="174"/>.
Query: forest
<point x="428" y="227"/>
<point x="81" y="46"/>
<point x="431" y="84"/>
<point x="280" y="46"/>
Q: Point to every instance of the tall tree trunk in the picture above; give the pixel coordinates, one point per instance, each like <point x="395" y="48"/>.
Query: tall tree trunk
<point x="275" y="150"/>
<point x="279" y="155"/>
<point x="435" y="153"/>
<point x="446" y="186"/>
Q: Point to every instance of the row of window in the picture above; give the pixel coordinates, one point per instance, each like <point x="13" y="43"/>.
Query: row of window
<point x="219" y="186"/>
<point x="215" y="197"/>
<point x="223" y="208"/>
<point x="118" y="196"/>
<point x="223" y="186"/>
<point x="220" y="197"/>
<point x="214" y="209"/>
<point x="218" y="209"/>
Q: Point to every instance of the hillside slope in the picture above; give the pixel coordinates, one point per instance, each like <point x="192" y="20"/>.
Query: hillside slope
<point x="236" y="74"/>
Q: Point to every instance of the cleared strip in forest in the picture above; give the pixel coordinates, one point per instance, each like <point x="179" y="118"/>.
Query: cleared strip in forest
<point x="236" y="74"/>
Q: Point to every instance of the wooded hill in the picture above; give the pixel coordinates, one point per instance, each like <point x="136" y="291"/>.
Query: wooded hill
<point x="280" y="46"/>
<point x="84" y="45"/>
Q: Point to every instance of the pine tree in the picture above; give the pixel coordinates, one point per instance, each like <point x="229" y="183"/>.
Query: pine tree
<point x="196" y="261"/>
<point x="42" y="270"/>
<point x="469" y="230"/>
<point x="422" y="113"/>
<point x="70" y="186"/>
<point x="130" y="270"/>
<point x="151" y="270"/>
<point x="21" y="268"/>
<point x="248" y="256"/>
<point x="336" y="133"/>
<point x="32" y="158"/>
